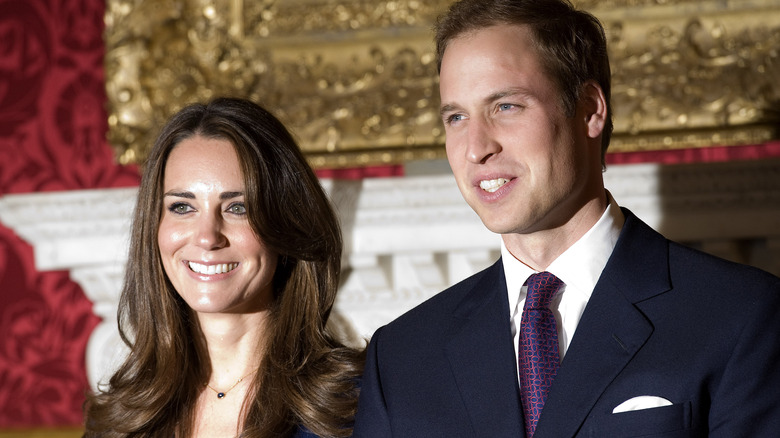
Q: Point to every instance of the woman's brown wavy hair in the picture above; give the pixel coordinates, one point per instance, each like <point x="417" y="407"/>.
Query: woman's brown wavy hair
<point x="307" y="377"/>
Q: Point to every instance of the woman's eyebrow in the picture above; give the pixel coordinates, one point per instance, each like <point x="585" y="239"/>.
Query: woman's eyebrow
<point x="230" y="195"/>
<point x="188" y="195"/>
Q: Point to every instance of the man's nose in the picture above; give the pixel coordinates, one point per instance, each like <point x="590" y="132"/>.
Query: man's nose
<point x="481" y="142"/>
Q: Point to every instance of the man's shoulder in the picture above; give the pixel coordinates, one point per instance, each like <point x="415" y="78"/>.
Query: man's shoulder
<point x="710" y="271"/>
<point x="640" y="245"/>
<point x="430" y="315"/>
<point x="647" y="256"/>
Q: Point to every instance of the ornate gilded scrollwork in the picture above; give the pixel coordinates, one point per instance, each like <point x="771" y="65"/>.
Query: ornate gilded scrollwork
<point x="356" y="80"/>
<point x="695" y="75"/>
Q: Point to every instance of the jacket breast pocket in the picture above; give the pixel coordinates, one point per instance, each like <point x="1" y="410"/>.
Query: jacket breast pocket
<point x="663" y="422"/>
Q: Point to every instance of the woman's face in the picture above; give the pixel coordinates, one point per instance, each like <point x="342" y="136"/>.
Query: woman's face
<point x="208" y="249"/>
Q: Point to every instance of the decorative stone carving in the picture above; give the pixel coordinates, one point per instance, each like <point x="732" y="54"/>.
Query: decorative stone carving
<point x="62" y="224"/>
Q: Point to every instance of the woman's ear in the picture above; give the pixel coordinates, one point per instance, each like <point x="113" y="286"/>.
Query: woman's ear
<point x="594" y="108"/>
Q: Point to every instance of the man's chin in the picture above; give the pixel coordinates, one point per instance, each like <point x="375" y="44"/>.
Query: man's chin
<point x="499" y="226"/>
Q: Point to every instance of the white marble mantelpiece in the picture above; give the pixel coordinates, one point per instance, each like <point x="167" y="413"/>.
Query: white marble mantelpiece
<point x="406" y="238"/>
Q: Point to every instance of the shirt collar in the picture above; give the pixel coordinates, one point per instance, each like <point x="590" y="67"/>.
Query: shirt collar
<point x="580" y="266"/>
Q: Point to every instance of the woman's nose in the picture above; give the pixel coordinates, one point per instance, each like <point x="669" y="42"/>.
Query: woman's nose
<point x="209" y="233"/>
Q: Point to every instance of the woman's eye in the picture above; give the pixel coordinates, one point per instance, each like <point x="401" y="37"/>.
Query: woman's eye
<point x="237" y="208"/>
<point x="180" y="208"/>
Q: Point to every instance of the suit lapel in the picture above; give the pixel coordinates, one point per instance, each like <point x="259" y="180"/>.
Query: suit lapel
<point x="611" y="330"/>
<point x="481" y="356"/>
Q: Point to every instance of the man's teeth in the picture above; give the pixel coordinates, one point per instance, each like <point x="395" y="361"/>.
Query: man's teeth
<point x="212" y="269"/>
<point x="493" y="184"/>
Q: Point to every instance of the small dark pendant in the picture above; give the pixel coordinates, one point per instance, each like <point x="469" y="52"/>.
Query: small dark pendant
<point x="220" y="394"/>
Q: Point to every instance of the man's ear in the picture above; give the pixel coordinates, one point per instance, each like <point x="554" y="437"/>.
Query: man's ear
<point x="593" y="106"/>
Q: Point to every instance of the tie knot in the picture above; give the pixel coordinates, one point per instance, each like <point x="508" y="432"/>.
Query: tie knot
<point x="541" y="288"/>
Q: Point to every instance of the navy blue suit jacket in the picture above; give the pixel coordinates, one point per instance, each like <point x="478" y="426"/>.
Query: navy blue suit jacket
<point x="664" y="320"/>
<point x="302" y="432"/>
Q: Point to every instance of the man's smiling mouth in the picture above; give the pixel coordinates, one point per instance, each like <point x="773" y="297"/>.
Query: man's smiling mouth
<point x="491" y="185"/>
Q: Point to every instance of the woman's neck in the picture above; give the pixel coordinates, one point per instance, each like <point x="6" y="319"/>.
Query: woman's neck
<point x="234" y="345"/>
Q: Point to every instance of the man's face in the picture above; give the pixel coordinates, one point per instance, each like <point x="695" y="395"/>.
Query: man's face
<point x="519" y="161"/>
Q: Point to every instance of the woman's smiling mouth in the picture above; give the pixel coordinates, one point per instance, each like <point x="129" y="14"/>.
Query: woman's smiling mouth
<point x="220" y="268"/>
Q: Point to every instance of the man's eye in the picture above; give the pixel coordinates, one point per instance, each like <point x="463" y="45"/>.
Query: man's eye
<point x="237" y="208"/>
<point x="454" y="118"/>
<point x="179" y="208"/>
<point x="505" y="106"/>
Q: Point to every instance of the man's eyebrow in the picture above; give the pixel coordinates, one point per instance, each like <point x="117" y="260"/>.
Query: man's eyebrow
<point x="447" y="109"/>
<point x="506" y="93"/>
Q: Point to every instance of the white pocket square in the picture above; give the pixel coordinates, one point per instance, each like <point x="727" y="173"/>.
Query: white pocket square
<point x="641" y="402"/>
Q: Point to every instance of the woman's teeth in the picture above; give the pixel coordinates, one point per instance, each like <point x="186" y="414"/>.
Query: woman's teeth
<point x="212" y="269"/>
<point x="493" y="184"/>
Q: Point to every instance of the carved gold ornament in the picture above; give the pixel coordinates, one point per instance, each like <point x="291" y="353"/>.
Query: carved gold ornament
<point x="356" y="80"/>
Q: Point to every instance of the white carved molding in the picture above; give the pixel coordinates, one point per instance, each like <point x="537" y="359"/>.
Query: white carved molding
<point x="406" y="238"/>
<point x="73" y="228"/>
<point x="87" y="233"/>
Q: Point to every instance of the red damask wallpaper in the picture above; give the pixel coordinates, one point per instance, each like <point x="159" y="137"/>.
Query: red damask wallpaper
<point x="52" y="137"/>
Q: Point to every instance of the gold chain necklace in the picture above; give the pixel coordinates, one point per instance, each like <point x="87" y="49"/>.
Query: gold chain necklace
<point x="222" y="394"/>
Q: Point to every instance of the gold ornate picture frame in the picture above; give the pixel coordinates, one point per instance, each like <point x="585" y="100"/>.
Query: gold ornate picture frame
<point x="356" y="80"/>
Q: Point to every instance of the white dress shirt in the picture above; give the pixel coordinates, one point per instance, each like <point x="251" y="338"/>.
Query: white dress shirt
<point x="579" y="267"/>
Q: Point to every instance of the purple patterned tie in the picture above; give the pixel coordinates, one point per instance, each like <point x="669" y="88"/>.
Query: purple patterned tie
<point x="538" y="349"/>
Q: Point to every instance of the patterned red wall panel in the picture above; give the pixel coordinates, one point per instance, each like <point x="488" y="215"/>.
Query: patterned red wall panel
<point x="52" y="137"/>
